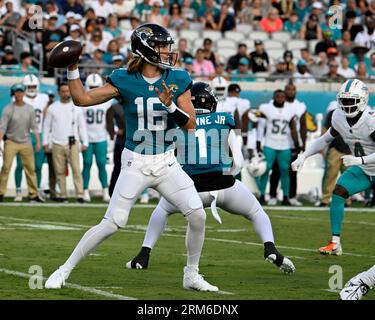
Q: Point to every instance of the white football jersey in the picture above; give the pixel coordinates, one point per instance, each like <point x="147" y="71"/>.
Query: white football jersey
<point x="300" y="109"/>
<point x="95" y="121"/>
<point x="357" y="137"/>
<point x="278" y="134"/>
<point x="231" y="104"/>
<point x="39" y="103"/>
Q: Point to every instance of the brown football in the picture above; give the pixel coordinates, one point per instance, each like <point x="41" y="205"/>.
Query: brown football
<point x="65" y="54"/>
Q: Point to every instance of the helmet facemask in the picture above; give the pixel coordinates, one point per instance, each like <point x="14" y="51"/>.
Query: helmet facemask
<point x="32" y="91"/>
<point x="353" y="98"/>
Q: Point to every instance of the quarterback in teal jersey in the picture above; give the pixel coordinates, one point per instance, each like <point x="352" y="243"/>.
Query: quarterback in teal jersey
<point x="213" y="173"/>
<point x="156" y="99"/>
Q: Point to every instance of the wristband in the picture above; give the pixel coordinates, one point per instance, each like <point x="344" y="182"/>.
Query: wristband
<point x="72" y="75"/>
<point x="172" y="107"/>
<point x="180" y="117"/>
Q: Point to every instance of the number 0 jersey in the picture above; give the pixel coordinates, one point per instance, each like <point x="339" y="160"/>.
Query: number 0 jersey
<point x="357" y="137"/>
<point x="95" y="122"/>
<point x="149" y="126"/>
<point x="278" y="120"/>
<point x="39" y="103"/>
<point x="206" y="149"/>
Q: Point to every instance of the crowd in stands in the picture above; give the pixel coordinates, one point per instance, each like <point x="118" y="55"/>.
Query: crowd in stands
<point x="246" y="40"/>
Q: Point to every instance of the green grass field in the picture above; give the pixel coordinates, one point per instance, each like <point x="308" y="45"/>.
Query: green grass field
<point x="232" y="256"/>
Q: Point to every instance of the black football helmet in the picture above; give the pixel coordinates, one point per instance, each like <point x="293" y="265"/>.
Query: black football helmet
<point x="145" y="42"/>
<point x="203" y="98"/>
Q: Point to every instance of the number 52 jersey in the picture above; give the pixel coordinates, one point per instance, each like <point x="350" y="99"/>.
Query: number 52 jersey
<point x="358" y="136"/>
<point x="278" y="134"/>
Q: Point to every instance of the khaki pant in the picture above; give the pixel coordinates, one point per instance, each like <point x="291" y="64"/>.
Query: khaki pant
<point x="26" y="152"/>
<point x="334" y="167"/>
<point x="62" y="155"/>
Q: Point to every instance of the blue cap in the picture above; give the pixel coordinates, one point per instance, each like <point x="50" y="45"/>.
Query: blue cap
<point x="244" y="61"/>
<point x="188" y="60"/>
<point x="301" y="63"/>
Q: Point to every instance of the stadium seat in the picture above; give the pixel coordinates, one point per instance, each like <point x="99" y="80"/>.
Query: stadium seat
<point x="244" y="28"/>
<point x="226" y="43"/>
<point x="259" y="35"/>
<point x="234" y="35"/>
<point x="211" y="34"/>
<point x="173" y="33"/>
<point x="281" y="36"/>
<point x="196" y="26"/>
<point x="189" y="34"/>
<point x="273" y="44"/>
<point x="296" y="44"/>
<point x="275" y="53"/>
<point x="249" y="43"/>
<point x="197" y="43"/>
<point x="227" y="52"/>
<point x="312" y="44"/>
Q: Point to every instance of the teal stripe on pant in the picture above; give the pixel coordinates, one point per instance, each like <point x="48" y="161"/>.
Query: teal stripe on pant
<point x="354" y="180"/>
<point x="99" y="149"/>
<point x="283" y="158"/>
<point x="39" y="158"/>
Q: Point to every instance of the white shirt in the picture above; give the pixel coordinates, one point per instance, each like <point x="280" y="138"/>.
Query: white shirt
<point x="300" y="109"/>
<point x="39" y="103"/>
<point x="126" y="7"/>
<point x="357" y="137"/>
<point x="364" y="39"/>
<point x="278" y="133"/>
<point x="95" y="122"/>
<point x="303" y="78"/>
<point x="102" y="10"/>
<point x="231" y="104"/>
<point x="346" y="73"/>
<point x="62" y="121"/>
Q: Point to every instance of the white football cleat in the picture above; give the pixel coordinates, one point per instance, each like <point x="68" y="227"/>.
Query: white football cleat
<point x="195" y="281"/>
<point x="106" y="196"/>
<point x="354" y="289"/>
<point x="57" y="279"/>
<point x="272" y="202"/>
<point x="286" y="266"/>
<point x="294" y="202"/>
<point x="86" y="195"/>
<point x="18" y="197"/>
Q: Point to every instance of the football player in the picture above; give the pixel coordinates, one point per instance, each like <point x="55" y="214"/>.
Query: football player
<point x="358" y="286"/>
<point x="96" y="129"/>
<point x="213" y="176"/>
<point x="300" y="119"/>
<point x="278" y="127"/>
<point x="355" y="123"/>
<point x="39" y="101"/>
<point x="156" y="99"/>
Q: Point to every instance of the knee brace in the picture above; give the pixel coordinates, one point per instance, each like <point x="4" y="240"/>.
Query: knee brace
<point x="197" y="217"/>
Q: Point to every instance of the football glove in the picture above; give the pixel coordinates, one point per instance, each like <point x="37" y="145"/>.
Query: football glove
<point x="350" y="160"/>
<point x="298" y="163"/>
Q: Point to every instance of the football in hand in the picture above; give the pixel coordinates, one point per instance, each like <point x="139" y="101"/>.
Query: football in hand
<point x="65" y="54"/>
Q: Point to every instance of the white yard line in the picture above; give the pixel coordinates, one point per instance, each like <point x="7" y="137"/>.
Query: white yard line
<point x="72" y="286"/>
<point x="104" y="205"/>
<point x="183" y="236"/>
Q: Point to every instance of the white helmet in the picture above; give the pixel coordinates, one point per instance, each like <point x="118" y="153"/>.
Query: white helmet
<point x="93" y="80"/>
<point x="257" y="166"/>
<point x="220" y="85"/>
<point x="352" y="97"/>
<point x="31" y="83"/>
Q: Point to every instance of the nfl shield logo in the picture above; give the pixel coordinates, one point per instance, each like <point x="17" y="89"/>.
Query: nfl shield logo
<point x="150" y="88"/>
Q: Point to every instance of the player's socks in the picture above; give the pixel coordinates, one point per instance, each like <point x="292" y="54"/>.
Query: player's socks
<point x="262" y="225"/>
<point x="336" y="213"/>
<point x="155" y="227"/>
<point x="91" y="239"/>
<point x="195" y="236"/>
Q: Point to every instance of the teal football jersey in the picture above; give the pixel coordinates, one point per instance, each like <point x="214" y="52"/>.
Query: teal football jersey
<point x="206" y="150"/>
<point x="149" y="126"/>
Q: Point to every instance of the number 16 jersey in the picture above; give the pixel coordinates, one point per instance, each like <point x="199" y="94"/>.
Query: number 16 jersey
<point x="278" y="132"/>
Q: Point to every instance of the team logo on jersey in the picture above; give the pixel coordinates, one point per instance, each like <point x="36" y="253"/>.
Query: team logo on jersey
<point x="173" y="87"/>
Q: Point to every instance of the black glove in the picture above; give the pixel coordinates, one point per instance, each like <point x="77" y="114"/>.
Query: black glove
<point x="259" y="147"/>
